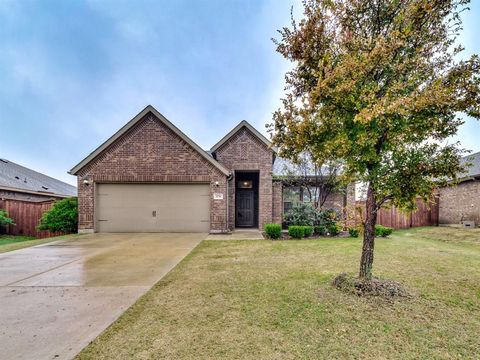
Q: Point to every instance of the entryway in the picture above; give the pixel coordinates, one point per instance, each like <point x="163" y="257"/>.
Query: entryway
<point x="246" y="199"/>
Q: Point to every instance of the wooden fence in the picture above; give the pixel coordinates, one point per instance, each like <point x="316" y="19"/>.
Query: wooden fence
<point x="425" y="215"/>
<point x="26" y="216"/>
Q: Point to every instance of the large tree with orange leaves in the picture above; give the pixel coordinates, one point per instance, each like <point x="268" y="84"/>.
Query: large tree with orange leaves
<point x="378" y="85"/>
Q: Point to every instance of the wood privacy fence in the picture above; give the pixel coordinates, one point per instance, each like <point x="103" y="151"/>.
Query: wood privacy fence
<point x="26" y="216"/>
<point x="425" y="215"/>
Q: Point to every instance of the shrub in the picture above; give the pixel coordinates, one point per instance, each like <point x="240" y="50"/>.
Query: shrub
<point x="383" y="231"/>
<point x="307" y="231"/>
<point x="334" y="229"/>
<point x="5" y="219"/>
<point x="328" y="217"/>
<point x="302" y="215"/>
<point x="273" y="231"/>
<point x="296" y="232"/>
<point x="353" y="232"/>
<point x="63" y="216"/>
<point x="320" y="230"/>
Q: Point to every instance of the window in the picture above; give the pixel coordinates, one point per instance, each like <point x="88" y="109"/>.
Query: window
<point x="245" y="184"/>
<point x="310" y="194"/>
<point x="291" y="196"/>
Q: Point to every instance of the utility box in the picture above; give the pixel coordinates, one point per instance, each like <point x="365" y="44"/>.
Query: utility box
<point x="467" y="224"/>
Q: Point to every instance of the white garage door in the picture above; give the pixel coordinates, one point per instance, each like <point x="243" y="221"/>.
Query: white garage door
<point x="152" y="208"/>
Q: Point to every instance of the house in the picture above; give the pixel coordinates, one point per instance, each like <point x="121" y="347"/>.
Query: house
<point x="150" y="177"/>
<point x="26" y="194"/>
<point x="462" y="201"/>
<point x="20" y="183"/>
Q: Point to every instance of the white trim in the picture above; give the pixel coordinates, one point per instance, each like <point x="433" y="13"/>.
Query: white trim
<point x="130" y="124"/>
<point x="242" y="124"/>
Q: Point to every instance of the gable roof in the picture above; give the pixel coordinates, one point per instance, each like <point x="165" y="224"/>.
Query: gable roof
<point x="247" y="125"/>
<point x="15" y="177"/>
<point x="134" y="121"/>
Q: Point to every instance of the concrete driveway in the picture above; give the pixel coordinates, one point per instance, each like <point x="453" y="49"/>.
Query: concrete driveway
<point x="56" y="298"/>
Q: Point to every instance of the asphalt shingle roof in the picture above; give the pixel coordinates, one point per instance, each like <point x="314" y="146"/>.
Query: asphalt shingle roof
<point x="16" y="176"/>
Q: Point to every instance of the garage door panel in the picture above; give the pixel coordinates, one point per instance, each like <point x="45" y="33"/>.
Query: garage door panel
<point x="153" y="208"/>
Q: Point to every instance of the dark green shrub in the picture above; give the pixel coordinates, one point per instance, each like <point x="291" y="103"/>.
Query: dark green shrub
<point x="5" y="219"/>
<point x="383" y="231"/>
<point x="302" y="215"/>
<point x="334" y="229"/>
<point x="307" y="231"/>
<point x="320" y="230"/>
<point x="273" y="231"/>
<point x="353" y="232"/>
<point x="296" y="232"/>
<point x="328" y="217"/>
<point x="63" y="216"/>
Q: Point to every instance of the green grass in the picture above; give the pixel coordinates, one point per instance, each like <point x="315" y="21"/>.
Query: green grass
<point x="12" y="242"/>
<point x="273" y="300"/>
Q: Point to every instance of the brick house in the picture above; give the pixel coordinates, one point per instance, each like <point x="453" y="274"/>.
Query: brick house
<point x="150" y="177"/>
<point x="462" y="201"/>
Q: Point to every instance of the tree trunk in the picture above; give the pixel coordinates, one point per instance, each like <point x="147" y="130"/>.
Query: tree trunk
<point x="366" y="261"/>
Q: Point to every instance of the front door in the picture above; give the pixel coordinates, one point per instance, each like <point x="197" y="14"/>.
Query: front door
<point x="245" y="208"/>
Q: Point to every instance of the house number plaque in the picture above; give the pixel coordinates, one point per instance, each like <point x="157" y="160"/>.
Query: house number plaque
<point x="217" y="196"/>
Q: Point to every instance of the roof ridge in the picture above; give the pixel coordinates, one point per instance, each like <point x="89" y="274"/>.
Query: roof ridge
<point x="240" y="125"/>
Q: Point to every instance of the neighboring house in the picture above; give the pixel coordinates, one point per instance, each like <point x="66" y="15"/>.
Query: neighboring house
<point x="20" y="183"/>
<point x="26" y="195"/>
<point x="462" y="201"/>
<point x="150" y="177"/>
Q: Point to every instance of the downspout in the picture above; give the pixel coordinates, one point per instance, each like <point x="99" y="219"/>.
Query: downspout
<point x="229" y="177"/>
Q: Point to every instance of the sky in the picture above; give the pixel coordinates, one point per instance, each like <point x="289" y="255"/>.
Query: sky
<point x="73" y="72"/>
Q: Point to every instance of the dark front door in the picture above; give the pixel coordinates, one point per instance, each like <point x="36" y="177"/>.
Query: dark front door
<point x="245" y="208"/>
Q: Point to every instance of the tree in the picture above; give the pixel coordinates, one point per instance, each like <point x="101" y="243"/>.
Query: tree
<point x="317" y="181"/>
<point x="377" y="85"/>
<point x="63" y="216"/>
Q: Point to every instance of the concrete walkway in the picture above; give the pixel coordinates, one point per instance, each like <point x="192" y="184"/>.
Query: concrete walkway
<point x="56" y="298"/>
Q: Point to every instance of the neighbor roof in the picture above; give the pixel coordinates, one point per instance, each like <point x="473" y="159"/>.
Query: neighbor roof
<point x="15" y="177"/>
<point x="474" y="169"/>
<point x="130" y="124"/>
<point x="242" y="124"/>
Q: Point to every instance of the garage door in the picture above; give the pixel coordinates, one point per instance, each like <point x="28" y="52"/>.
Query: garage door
<point x="153" y="208"/>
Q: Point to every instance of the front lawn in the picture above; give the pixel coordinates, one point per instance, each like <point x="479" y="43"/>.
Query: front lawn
<point x="273" y="300"/>
<point x="12" y="242"/>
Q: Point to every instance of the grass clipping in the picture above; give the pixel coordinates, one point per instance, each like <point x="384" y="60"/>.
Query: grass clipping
<point x="386" y="289"/>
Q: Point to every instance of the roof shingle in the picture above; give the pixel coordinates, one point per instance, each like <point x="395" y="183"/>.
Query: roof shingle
<point x="14" y="176"/>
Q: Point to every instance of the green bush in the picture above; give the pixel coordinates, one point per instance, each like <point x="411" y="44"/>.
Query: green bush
<point x="4" y="219"/>
<point x="328" y="217"/>
<point x="353" y="232"/>
<point x="296" y="232"/>
<point x="334" y="229"/>
<point x="320" y="230"/>
<point x="383" y="231"/>
<point x="63" y="216"/>
<point x="302" y="215"/>
<point x="273" y="231"/>
<point x="307" y="231"/>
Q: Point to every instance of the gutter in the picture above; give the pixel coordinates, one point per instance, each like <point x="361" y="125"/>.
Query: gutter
<point x="43" y="193"/>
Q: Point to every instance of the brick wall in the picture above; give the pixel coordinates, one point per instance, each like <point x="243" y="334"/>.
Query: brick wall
<point x="463" y="199"/>
<point x="150" y="153"/>
<point x="277" y="206"/>
<point x="244" y="151"/>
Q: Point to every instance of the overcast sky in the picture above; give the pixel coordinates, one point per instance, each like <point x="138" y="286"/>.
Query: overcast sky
<point x="73" y="72"/>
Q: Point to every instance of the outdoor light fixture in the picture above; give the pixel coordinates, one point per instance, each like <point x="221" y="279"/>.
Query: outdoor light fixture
<point x="216" y="183"/>
<point x="86" y="182"/>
